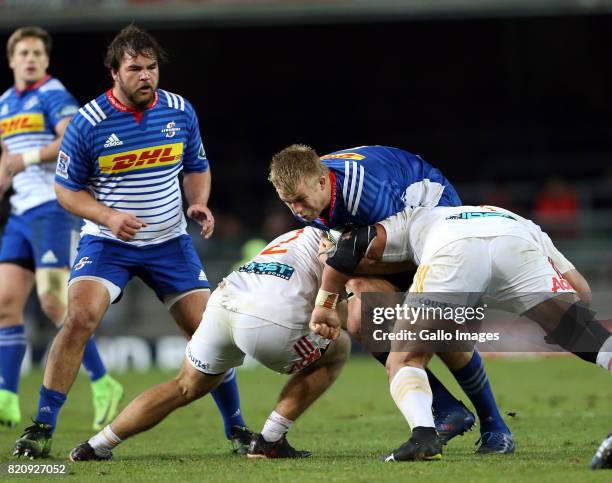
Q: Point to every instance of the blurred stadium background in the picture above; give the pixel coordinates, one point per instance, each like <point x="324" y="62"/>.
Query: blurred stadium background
<point x="510" y="98"/>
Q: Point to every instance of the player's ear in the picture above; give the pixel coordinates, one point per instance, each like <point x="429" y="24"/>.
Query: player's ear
<point x="114" y="74"/>
<point x="322" y="181"/>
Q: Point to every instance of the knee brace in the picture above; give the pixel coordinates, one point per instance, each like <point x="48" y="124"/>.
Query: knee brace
<point x="579" y="332"/>
<point x="53" y="281"/>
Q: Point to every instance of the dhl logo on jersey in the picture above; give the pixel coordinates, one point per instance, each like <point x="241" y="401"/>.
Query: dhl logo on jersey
<point x="354" y="156"/>
<point x="22" y="123"/>
<point x="149" y="157"/>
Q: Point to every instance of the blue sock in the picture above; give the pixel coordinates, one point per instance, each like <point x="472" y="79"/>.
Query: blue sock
<point x="49" y="406"/>
<point x="12" y="351"/>
<point x="92" y="362"/>
<point x="473" y="380"/>
<point x="228" y="401"/>
<point x="443" y="400"/>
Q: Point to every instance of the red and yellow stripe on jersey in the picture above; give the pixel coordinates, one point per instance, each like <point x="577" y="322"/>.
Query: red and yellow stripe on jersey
<point x="22" y="123"/>
<point x="149" y="157"/>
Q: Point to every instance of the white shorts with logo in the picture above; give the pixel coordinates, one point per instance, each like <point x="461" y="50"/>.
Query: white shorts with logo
<point x="509" y="269"/>
<point x="225" y="336"/>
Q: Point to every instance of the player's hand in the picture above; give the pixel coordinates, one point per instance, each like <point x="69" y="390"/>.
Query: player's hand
<point x="325" y="322"/>
<point x="203" y="217"/>
<point x="124" y="225"/>
<point x="326" y="248"/>
<point x="13" y="163"/>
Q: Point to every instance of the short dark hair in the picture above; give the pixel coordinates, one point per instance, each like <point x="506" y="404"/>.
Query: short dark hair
<point x="26" y="32"/>
<point x="133" y="41"/>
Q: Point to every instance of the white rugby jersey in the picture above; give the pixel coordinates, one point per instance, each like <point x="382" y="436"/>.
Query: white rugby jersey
<point x="416" y="234"/>
<point x="27" y="121"/>
<point x="130" y="161"/>
<point x="280" y="284"/>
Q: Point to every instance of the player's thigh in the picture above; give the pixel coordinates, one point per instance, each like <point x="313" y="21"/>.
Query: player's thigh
<point x="173" y="268"/>
<point x="194" y="383"/>
<point x="187" y="309"/>
<point x="523" y="276"/>
<point x="212" y="349"/>
<point x="88" y="300"/>
<point x="550" y="312"/>
<point x="279" y="348"/>
<point x="16" y="284"/>
<point x="105" y="262"/>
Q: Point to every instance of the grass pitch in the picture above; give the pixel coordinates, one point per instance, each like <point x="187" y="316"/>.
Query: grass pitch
<point x="561" y="411"/>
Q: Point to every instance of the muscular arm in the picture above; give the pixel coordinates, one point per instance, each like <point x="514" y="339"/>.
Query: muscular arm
<point x="197" y="192"/>
<point x="324" y="319"/>
<point x="197" y="187"/>
<point x="581" y="286"/>
<point x="82" y="204"/>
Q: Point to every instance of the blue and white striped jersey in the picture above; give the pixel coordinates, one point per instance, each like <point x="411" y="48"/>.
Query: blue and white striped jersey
<point x="371" y="183"/>
<point x="130" y="161"/>
<point x="27" y="121"/>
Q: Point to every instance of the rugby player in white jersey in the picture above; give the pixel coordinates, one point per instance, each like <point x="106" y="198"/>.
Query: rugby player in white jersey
<point x="36" y="246"/>
<point x="262" y="309"/>
<point x="470" y="250"/>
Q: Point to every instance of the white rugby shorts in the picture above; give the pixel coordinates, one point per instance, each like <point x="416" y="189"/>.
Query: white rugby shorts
<point x="225" y="336"/>
<point x="509" y="269"/>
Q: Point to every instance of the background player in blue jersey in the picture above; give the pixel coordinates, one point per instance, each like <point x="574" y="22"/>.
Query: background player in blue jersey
<point x="365" y="185"/>
<point x="36" y="244"/>
<point x="118" y="168"/>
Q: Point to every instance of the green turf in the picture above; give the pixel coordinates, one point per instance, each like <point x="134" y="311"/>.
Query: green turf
<point x="561" y="412"/>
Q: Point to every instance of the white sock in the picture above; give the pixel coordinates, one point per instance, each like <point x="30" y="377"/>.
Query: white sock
<point x="104" y="441"/>
<point x="604" y="357"/>
<point x="276" y="426"/>
<point x="411" y="392"/>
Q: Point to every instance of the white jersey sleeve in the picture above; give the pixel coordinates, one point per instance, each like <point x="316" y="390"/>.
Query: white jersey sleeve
<point x="280" y="284"/>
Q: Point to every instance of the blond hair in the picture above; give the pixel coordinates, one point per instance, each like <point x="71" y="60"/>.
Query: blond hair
<point x="27" y="32"/>
<point x="293" y="165"/>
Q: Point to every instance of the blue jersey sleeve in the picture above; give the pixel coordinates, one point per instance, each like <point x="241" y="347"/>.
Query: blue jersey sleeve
<point x="74" y="163"/>
<point x="194" y="158"/>
<point x="59" y="104"/>
<point x="375" y="182"/>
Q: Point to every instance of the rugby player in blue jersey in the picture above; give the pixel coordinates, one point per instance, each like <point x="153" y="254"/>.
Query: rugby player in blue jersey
<point x="118" y="168"/>
<point x="36" y="244"/>
<point x="359" y="187"/>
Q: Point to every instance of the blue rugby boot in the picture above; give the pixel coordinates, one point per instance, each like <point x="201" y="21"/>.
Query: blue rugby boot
<point x="453" y="423"/>
<point x="496" y="442"/>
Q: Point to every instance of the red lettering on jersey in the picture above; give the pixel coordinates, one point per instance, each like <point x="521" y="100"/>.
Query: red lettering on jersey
<point x="125" y="161"/>
<point x="560" y="284"/>
<point x="151" y="156"/>
<point x="167" y="156"/>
